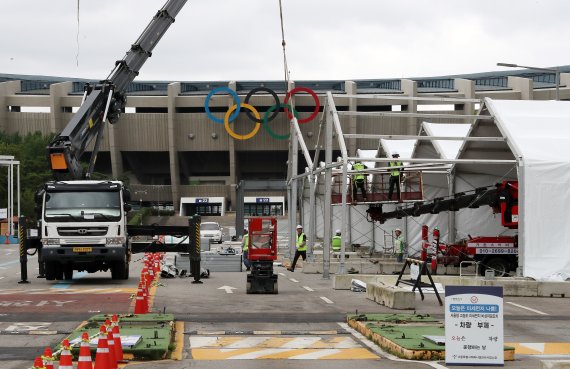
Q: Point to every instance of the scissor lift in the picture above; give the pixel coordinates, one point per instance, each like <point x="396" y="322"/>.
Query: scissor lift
<point x="262" y="253"/>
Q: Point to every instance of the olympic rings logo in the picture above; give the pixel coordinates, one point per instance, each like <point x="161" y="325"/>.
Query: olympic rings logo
<point x="254" y="115"/>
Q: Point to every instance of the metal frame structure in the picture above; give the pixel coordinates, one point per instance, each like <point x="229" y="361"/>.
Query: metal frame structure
<point x="9" y="162"/>
<point x="331" y="127"/>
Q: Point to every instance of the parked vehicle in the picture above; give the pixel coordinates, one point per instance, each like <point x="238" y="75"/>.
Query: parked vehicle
<point x="211" y="230"/>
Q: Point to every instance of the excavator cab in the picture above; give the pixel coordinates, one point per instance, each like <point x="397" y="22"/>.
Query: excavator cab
<point x="262" y="252"/>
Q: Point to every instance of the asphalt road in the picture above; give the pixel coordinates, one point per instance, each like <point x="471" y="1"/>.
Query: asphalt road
<point x="302" y="326"/>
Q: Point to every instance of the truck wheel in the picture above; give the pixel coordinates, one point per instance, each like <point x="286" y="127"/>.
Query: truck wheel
<point x="58" y="271"/>
<point x="68" y="272"/>
<point x="120" y="270"/>
<point x="50" y="271"/>
<point x="500" y="265"/>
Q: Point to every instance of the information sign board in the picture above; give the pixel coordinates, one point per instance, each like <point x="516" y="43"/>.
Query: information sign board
<point x="474" y="325"/>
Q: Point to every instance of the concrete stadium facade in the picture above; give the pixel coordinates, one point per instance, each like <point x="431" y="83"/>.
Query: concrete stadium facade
<point x="169" y="148"/>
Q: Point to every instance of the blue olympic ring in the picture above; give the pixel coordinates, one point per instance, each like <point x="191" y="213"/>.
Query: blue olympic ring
<point x="209" y="97"/>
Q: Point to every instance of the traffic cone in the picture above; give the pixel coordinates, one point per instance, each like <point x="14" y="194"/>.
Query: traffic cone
<point x="141" y="306"/>
<point x="38" y="363"/>
<point x="84" y="361"/>
<point x="111" y="344"/>
<point x="118" y="344"/>
<point x="65" y="358"/>
<point x="48" y="358"/>
<point x="102" y="360"/>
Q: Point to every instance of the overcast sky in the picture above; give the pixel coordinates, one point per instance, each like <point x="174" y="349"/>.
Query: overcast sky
<point x="326" y="39"/>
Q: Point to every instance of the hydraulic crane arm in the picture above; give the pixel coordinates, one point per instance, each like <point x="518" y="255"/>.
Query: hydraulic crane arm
<point x="105" y="101"/>
<point x="502" y="197"/>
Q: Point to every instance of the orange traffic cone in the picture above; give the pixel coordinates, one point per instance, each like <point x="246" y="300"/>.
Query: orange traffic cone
<point x="65" y="358"/>
<point x="111" y="344"/>
<point x="118" y="344"/>
<point x="84" y="361"/>
<point x="38" y="363"/>
<point x="102" y="360"/>
<point x="141" y="306"/>
<point x="48" y="359"/>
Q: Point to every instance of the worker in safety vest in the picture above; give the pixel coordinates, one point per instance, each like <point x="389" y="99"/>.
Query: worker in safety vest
<point x="358" y="180"/>
<point x="301" y="247"/>
<point x="336" y="241"/>
<point x="395" y="176"/>
<point x="245" y="249"/>
<point x="399" y="244"/>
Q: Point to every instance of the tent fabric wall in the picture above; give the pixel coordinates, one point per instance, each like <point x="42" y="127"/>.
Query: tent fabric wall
<point x="540" y="134"/>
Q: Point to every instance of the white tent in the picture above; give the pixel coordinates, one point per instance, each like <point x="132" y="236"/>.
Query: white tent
<point x="538" y="133"/>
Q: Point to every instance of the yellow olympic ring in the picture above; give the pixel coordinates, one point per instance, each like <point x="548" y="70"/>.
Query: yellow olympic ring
<point x="235" y="135"/>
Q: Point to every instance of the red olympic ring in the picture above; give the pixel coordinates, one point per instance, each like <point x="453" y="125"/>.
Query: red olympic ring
<point x="315" y="98"/>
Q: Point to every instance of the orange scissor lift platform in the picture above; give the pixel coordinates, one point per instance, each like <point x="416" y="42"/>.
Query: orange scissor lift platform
<point x="262" y="252"/>
<point x="378" y="188"/>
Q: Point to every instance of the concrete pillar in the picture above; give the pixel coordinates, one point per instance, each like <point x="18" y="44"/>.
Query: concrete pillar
<point x="232" y="152"/>
<point x="56" y="92"/>
<point x="410" y="88"/>
<point x="522" y="85"/>
<point x="173" y="92"/>
<point x="116" y="156"/>
<point x="564" y="81"/>
<point x="350" y="88"/>
<point x="6" y="88"/>
<point x="467" y="88"/>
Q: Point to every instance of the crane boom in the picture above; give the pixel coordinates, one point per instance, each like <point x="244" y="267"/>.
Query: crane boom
<point x="105" y="101"/>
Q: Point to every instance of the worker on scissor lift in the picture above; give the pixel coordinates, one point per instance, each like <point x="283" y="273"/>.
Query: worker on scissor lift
<point x="358" y="180"/>
<point x="395" y="176"/>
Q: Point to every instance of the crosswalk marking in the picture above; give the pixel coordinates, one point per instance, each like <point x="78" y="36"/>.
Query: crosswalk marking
<point x="328" y="301"/>
<point x="276" y="347"/>
<point x="308" y="288"/>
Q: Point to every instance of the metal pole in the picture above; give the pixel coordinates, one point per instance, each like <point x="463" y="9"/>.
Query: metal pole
<point x="328" y="193"/>
<point x="194" y="247"/>
<point x="23" y="250"/>
<point x="557" y="84"/>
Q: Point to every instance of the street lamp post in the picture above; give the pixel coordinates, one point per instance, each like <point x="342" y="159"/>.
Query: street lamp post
<point x="140" y="198"/>
<point x="555" y="70"/>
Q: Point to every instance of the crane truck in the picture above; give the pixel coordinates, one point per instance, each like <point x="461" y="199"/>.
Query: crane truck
<point x="494" y="252"/>
<point x="83" y="222"/>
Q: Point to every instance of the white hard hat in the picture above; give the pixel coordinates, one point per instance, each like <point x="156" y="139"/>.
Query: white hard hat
<point x="337" y="231"/>
<point x="299" y="227"/>
<point x="397" y="230"/>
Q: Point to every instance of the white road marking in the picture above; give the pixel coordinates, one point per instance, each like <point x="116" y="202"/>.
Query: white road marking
<point x="308" y="288"/>
<point x="2" y="277"/>
<point x="527" y="308"/>
<point x="256" y="354"/>
<point x="196" y="342"/>
<point x="315" y="355"/>
<point x="293" y="280"/>
<point x="228" y="289"/>
<point x="326" y="300"/>
<point x="282" y="274"/>
<point x="301" y="342"/>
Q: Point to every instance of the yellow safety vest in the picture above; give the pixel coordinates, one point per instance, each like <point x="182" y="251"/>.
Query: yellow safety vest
<point x="399" y="244"/>
<point x="336" y="243"/>
<point x="300" y="238"/>
<point x="395" y="172"/>
<point x="245" y="246"/>
<point x="359" y="177"/>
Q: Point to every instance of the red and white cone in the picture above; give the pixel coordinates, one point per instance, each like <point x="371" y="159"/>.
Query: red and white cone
<point x="48" y="358"/>
<point x="38" y="363"/>
<point x="102" y="360"/>
<point x="65" y="358"/>
<point x="111" y="343"/>
<point x="118" y="344"/>
<point x="84" y="361"/>
<point x="141" y="306"/>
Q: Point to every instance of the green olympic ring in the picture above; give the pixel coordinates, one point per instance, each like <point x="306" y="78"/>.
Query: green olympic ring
<point x="266" y="122"/>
